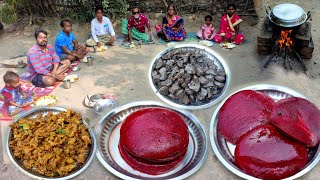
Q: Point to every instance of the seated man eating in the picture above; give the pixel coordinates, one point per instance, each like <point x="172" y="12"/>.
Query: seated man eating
<point x="44" y="65"/>
<point x="136" y="25"/>
<point x="66" y="45"/>
<point x="102" y="31"/>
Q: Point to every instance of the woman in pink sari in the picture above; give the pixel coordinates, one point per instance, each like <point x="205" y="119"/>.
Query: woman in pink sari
<point x="172" y="26"/>
<point x="229" y="27"/>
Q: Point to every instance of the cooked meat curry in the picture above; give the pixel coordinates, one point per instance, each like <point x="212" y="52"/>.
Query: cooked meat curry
<point x="52" y="144"/>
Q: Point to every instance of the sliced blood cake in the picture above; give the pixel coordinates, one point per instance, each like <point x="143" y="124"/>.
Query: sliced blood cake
<point x="242" y="112"/>
<point x="153" y="140"/>
<point x="264" y="153"/>
<point x="298" y="118"/>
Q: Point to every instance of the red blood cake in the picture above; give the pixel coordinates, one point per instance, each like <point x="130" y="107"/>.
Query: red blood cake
<point x="242" y="112"/>
<point x="264" y="153"/>
<point x="298" y="118"/>
<point x="153" y="140"/>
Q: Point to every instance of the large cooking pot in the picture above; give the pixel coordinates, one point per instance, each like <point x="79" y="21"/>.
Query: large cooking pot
<point x="287" y="15"/>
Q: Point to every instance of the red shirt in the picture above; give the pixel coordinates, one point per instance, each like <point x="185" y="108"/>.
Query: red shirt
<point x="139" y="23"/>
<point x="7" y="96"/>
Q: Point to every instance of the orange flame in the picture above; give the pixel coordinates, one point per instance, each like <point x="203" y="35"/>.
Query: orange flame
<point x="285" y="39"/>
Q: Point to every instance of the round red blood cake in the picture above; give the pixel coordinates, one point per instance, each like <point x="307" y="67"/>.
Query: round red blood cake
<point x="242" y="112"/>
<point x="153" y="140"/>
<point x="264" y="153"/>
<point x="298" y="118"/>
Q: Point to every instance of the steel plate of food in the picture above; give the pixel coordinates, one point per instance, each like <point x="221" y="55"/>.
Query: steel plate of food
<point x="51" y="143"/>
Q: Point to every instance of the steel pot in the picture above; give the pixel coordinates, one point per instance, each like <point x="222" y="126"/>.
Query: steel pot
<point x="287" y="15"/>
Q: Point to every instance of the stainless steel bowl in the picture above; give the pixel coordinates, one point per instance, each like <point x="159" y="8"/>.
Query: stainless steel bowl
<point x="104" y="105"/>
<point x="108" y="134"/>
<point x="288" y="15"/>
<point x="225" y="150"/>
<point x="44" y="110"/>
<point x="214" y="56"/>
<point x="96" y="97"/>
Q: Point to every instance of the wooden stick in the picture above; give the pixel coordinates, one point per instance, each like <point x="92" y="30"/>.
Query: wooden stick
<point x="300" y="61"/>
<point x="241" y="14"/>
<point x="270" y="59"/>
<point x="165" y="3"/>
<point x="285" y="60"/>
<point x="245" y="7"/>
<point x="291" y="59"/>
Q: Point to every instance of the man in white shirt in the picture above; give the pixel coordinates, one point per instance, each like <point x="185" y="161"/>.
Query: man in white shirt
<point x="101" y="30"/>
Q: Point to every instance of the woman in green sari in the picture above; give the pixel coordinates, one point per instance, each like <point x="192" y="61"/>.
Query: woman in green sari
<point x="135" y="26"/>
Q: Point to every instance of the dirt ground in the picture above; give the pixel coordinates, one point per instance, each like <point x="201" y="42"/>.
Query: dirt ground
<point x="123" y="73"/>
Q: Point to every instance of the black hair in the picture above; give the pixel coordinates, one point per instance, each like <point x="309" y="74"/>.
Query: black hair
<point x="36" y="34"/>
<point x="208" y="17"/>
<point x="64" y="21"/>
<point x="135" y="7"/>
<point x="10" y="76"/>
<point x="231" y="5"/>
<point x="98" y="8"/>
<point x="174" y="8"/>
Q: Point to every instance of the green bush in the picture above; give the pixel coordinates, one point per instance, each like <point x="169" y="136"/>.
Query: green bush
<point x="8" y="11"/>
<point x="116" y="8"/>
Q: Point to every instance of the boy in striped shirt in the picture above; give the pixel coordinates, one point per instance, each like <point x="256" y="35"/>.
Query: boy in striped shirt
<point x="44" y="65"/>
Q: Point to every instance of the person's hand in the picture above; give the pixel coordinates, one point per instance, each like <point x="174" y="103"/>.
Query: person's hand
<point x="60" y="77"/>
<point x="233" y="38"/>
<point x="23" y="105"/>
<point x="62" y="62"/>
<point x="224" y="39"/>
<point x="26" y="104"/>
<point x="168" y="37"/>
<point x="113" y="39"/>
<point x="54" y="72"/>
<point x="99" y="44"/>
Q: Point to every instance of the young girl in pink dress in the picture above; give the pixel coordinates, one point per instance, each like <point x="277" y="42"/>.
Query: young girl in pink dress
<point x="207" y="31"/>
<point x="229" y="27"/>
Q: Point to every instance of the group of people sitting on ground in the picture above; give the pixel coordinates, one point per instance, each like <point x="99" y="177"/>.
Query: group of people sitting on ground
<point x="172" y="27"/>
<point x="48" y="64"/>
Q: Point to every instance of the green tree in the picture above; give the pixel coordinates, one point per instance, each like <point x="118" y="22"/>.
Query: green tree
<point x="8" y="10"/>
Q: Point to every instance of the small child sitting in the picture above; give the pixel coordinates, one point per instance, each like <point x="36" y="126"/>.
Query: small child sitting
<point x="207" y="31"/>
<point x="13" y="95"/>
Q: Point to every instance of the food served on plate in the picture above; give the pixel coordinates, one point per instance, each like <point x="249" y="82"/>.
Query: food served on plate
<point x="49" y="100"/>
<point x="52" y="145"/>
<point x="206" y="43"/>
<point x="242" y="112"/>
<point x="264" y="153"/>
<point x="227" y="45"/>
<point x="270" y="137"/>
<point x="153" y="140"/>
<point x="72" y="77"/>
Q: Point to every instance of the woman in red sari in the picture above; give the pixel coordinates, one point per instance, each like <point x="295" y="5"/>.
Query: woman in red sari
<point x="229" y="27"/>
<point x="172" y="26"/>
